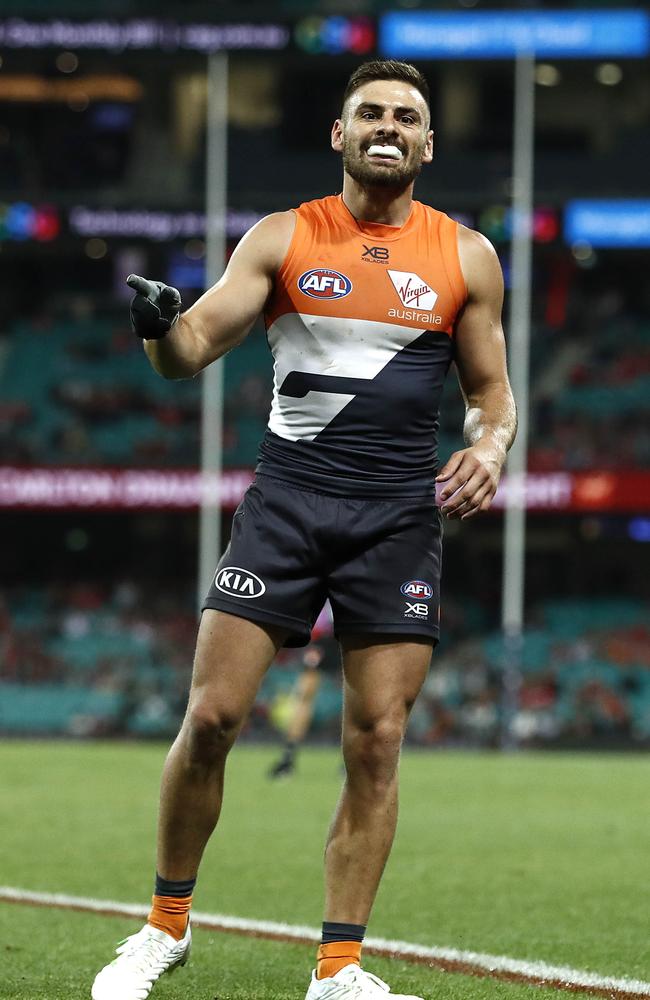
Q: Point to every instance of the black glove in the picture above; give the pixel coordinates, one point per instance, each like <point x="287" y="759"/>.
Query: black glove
<point x="154" y="307"/>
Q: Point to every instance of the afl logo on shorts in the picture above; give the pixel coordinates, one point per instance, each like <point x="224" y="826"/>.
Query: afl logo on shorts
<point x="321" y="283"/>
<point x="237" y="582"/>
<point x="417" y="588"/>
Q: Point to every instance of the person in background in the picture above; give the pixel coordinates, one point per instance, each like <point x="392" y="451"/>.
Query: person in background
<point x="316" y="660"/>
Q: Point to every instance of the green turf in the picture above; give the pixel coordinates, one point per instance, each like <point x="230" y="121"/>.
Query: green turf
<point x="534" y="856"/>
<point x="222" y="966"/>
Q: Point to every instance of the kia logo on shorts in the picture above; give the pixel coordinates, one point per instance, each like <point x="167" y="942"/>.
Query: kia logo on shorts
<point x="322" y="283"/>
<point x="238" y="582"/>
<point x="417" y="588"/>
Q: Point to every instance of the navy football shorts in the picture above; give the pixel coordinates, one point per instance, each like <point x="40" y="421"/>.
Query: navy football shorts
<point x="291" y="548"/>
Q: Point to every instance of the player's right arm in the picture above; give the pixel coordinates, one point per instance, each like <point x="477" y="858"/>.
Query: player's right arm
<point x="223" y="316"/>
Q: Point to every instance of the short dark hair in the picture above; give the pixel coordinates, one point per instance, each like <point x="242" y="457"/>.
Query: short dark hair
<point x="387" y="69"/>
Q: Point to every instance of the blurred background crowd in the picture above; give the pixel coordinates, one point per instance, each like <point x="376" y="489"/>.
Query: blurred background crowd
<point x="102" y="172"/>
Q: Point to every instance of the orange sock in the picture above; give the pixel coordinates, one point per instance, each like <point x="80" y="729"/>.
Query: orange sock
<point x="335" y="956"/>
<point x="170" y="914"/>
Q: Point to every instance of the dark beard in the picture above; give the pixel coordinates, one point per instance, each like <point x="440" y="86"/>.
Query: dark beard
<point x="363" y="172"/>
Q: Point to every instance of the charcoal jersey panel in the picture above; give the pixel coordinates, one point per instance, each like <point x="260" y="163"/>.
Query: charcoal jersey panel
<point x="360" y="326"/>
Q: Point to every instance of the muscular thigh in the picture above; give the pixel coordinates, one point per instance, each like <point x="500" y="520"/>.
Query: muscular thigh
<point x="232" y="656"/>
<point x="382" y="678"/>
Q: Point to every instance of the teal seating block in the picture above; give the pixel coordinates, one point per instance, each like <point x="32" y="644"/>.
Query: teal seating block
<point x="50" y="708"/>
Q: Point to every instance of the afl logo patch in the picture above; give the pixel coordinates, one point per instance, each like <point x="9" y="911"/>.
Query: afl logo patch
<point x="238" y="582"/>
<point x="322" y="283"/>
<point x="417" y="588"/>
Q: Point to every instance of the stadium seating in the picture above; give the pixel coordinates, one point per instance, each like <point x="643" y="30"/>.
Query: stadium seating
<point x="55" y="709"/>
<point x="80" y="392"/>
<point x="100" y="668"/>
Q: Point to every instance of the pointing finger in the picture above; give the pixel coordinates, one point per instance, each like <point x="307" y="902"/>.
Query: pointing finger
<point x="142" y="286"/>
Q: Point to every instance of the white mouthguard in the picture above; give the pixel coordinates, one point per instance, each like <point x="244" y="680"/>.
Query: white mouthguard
<point x="392" y="152"/>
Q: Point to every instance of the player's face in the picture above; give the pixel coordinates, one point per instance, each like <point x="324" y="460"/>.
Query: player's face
<point x="386" y="114"/>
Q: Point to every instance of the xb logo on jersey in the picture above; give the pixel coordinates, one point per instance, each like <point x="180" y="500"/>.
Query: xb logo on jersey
<point x="323" y="283"/>
<point x="238" y="582"/>
<point x="374" y="253"/>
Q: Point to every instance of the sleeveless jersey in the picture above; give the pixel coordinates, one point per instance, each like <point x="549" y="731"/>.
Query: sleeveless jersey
<point x="360" y="324"/>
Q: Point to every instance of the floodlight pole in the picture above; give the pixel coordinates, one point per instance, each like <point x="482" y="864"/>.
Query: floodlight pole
<point x="212" y="377"/>
<point x="514" y="548"/>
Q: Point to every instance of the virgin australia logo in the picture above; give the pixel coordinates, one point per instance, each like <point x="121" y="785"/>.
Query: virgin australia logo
<point x="412" y="290"/>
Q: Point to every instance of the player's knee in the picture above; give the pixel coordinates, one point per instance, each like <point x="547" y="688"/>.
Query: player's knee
<point x="210" y="732"/>
<point x="371" y="752"/>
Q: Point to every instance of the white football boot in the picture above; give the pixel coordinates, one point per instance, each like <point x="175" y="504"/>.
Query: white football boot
<point x="352" y="983"/>
<point x="141" y="960"/>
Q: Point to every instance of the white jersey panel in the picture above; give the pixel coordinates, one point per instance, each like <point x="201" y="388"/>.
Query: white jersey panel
<point x="326" y="346"/>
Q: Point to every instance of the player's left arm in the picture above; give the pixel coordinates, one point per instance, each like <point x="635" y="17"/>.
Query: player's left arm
<point x="471" y="476"/>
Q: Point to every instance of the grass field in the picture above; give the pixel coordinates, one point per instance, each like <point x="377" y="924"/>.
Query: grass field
<point x="539" y="857"/>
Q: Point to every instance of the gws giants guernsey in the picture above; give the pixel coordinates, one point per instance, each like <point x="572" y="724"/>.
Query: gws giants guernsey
<point x="360" y="324"/>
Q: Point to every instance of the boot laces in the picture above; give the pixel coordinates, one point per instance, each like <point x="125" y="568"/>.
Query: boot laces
<point x="361" y="983"/>
<point x="142" y="952"/>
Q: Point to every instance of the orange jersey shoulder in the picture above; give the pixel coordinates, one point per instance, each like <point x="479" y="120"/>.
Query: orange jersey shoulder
<point x="337" y="266"/>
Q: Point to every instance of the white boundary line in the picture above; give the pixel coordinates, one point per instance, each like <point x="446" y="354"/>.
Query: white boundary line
<point x="451" y="959"/>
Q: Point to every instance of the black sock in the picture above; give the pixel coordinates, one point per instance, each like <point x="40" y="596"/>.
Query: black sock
<point x="342" y="932"/>
<point x="164" y="887"/>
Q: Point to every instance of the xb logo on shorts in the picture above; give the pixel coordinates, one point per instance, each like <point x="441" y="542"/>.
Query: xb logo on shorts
<point x="323" y="283"/>
<point x="417" y="588"/>
<point x="416" y="610"/>
<point x="238" y="582"/>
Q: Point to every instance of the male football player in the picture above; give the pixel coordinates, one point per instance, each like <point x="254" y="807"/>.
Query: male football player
<point x="367" y="296"/>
